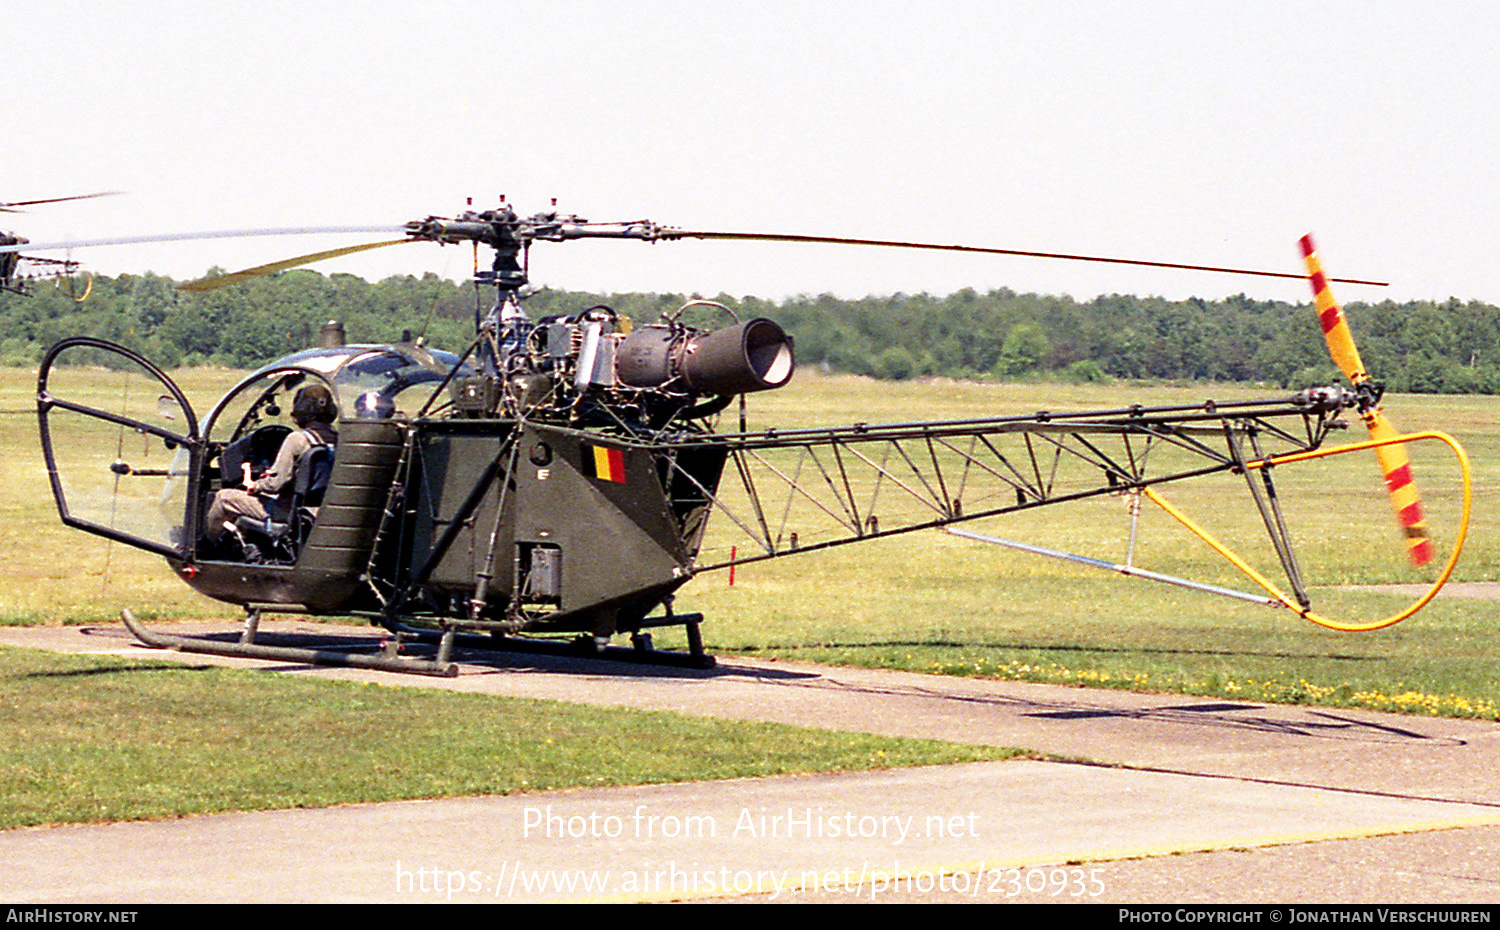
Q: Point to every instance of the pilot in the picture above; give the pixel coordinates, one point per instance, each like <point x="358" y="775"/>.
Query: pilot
<point x="313" y="410"/>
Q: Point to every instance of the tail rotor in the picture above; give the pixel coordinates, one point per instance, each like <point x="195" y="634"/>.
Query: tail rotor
<point x="1395" y="465"/>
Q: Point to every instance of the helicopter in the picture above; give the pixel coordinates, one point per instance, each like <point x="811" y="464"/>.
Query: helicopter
<point x="11" y="278"/>
<point x="557" y="477"/>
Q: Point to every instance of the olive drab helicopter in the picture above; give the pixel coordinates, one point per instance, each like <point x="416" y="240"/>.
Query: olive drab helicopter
<point x="557" y="477"/>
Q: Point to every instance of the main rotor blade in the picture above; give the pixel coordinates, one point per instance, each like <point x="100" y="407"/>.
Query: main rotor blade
<point x="5" y="207"/>
<point x="234" y="277"/>
<point x="933" y="246"/>
<point x="217" y="234"/>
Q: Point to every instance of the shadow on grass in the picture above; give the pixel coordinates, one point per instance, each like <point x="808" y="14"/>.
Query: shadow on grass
<point x="1052" y="647"/>
<point x="1082" y="709"/>
<point x="602" y="667"/>
<point x="117" y="670"/>
<point x="1313" y="723"/>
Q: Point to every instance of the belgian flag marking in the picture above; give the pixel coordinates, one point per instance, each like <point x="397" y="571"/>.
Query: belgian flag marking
<point x="604" y="464"/>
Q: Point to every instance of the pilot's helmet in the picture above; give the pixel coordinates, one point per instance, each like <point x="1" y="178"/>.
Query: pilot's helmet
<point x="314" y="404"/>
<point x="373" y="405"/>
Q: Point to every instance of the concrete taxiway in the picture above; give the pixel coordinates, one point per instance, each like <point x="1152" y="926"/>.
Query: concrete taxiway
<point x="1166" y="798"/>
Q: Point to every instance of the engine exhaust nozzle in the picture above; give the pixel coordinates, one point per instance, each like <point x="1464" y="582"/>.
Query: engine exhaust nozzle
<point x="752" y="356"/>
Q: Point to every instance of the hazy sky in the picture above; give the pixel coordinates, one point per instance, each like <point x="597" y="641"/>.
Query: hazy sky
<point x="1210" y="133"/>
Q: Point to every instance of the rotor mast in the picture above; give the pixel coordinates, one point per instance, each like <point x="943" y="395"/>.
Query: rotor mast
<point x="505" y="326"/>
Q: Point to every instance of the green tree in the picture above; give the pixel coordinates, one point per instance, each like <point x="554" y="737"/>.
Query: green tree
<point x="1026" y="346"/>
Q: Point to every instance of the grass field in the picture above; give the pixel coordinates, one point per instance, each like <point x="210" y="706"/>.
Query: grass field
<point x="932" y="602"/>
<point x="89" y="738"/>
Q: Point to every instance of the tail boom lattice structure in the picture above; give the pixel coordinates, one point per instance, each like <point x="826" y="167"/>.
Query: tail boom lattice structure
<point x="790" y="491"/>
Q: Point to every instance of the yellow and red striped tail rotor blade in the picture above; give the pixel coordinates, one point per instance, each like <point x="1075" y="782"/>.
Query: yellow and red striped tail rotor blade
<point x="1331" y="316"/>
<point x="1395" y="465"/>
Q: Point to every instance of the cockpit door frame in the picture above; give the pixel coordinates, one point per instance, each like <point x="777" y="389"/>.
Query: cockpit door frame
<point x="192" y="442"/>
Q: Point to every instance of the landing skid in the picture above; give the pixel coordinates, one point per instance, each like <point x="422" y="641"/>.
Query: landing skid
<point x="441" y="666"/>
<point x="247" y="648"/>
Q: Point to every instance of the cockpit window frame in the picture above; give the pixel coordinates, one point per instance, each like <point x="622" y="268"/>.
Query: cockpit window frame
<point x="331" y="364"/>
<point x="275" y="378"/>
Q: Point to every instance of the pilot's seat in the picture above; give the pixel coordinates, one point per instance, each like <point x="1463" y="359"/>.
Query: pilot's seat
<point x="278" y="538"/>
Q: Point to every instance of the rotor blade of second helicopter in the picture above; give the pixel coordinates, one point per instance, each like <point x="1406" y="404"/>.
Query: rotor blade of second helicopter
<point x="5" y="207"/>
<point x="234" y="277"/>
<point x="213" y="234"/>
<point x="839" y="240"/>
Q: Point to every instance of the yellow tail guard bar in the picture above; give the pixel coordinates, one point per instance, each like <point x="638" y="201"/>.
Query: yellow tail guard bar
<point x="1332" y="624"/>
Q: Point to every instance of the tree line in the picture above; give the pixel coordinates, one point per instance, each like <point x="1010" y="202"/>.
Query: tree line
<point x="1415" y="346"/>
